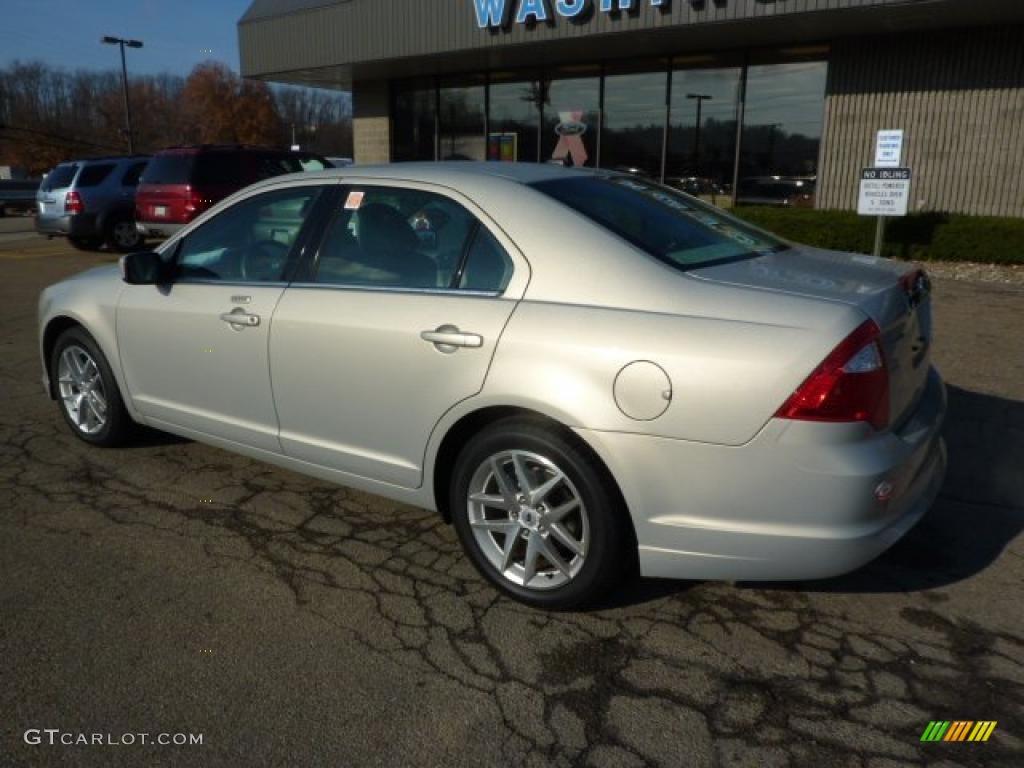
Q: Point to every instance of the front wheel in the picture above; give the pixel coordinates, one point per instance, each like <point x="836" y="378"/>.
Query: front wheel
<point x="539" y="516"/>
<point x="87" y="390"/>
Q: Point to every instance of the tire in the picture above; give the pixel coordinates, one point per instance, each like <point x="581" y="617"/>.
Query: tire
<point x="85" y="243"/>
<point x="84" y="413"/>
<point x="583" y="507"/>
<point x="122" y="236"/>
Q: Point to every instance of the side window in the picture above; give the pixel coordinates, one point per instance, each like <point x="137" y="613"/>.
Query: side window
<point x="249" y="242"/>
<point x="488" y="267"/>
<point x="395" y="238"/>
<point x="93" y="175"/>
<point x="131" y="176"/>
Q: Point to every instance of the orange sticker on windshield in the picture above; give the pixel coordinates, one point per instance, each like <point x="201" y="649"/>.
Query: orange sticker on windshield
<point x="353" y="201"/>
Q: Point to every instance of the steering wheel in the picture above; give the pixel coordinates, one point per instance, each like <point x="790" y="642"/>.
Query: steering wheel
<point x="264" y="260"/>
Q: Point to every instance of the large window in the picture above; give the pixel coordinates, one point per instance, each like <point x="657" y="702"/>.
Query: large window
<point x="514" y="125"/>
<point x="413" y="118"/>
<point x="702" y="131"/>
<point x="618" y="119"/>
<point x="462" y="123"/>
<point x="782" y="128"/>
<point x="634" y="122"/>
<point x="571" y="120"/>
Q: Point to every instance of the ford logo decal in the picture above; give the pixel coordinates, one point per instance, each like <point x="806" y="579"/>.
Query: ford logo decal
<point x="571" y="129"/>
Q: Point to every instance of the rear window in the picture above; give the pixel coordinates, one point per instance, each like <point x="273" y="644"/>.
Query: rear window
<point x="168" y="169"/>
<point x="93" y="175"/>
<point x="672" y="227"/>
<point x="219" y="168"/>
<point x="59" y="177"/>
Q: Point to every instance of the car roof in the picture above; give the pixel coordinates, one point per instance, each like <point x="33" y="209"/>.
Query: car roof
<point x="454" y="171"/>
<point x="108" y="159"/>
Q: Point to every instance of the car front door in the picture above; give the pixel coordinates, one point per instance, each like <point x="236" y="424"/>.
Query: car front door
<point x="194" y="352"/>
<point x="395" y="321"/>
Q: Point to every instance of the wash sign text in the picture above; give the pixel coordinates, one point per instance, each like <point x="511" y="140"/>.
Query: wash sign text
<point x="500" y="13"/>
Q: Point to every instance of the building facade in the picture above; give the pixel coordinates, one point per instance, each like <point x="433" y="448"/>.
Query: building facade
<point x="770" y="101"/>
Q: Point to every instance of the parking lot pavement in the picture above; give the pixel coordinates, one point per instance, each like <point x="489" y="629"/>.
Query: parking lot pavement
<point x="171" y="587"/>
<point x="15" y="230"/>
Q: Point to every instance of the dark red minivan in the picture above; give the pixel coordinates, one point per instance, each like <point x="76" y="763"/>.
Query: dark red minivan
<point x="181" y="182"/>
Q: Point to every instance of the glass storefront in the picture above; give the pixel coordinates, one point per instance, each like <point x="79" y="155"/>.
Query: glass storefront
<point x="702" y="130"/>
<point x="782" y="126"/>
<point x="676" y="121"/>
<point x="571" y="120"/>
<point x="462" y="109"/>
<point x="633" y="127"/>
<point x="513" y="131"/>
<point x="413" y="122"/>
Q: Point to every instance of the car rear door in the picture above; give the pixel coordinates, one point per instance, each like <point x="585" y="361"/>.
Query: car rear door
<point x="393" y="322"/>
<point x="194" y="352"/>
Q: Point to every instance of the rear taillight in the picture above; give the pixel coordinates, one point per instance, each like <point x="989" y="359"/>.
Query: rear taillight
<point x="73" y="203"/>
<point x="195" y="203"/>
<point x="852" y="384"/>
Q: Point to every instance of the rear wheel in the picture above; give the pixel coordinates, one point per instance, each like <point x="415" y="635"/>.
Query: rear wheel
<point x="538" y="515"/>
<point x="122" y="236"/>
<point x="87" y="390"/>
<point x="85" y="243"/>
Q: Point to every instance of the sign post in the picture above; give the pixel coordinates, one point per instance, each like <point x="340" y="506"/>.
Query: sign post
<point x="885" y="188"/>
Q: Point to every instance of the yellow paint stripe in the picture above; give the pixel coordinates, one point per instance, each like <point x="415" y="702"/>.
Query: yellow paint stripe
<point x="978" y="730"/>
<point x="988" y="731"/>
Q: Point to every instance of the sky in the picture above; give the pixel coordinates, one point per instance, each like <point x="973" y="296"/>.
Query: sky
<point x="177" y="34"/>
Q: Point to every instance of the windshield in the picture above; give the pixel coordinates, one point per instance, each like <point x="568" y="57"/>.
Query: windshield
<point x="670" y="226"/>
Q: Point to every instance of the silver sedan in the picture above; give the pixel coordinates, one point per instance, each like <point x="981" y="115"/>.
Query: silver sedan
<point x="588" y="374"/>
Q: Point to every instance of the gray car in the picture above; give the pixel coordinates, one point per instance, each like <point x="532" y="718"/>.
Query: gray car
<point x="585" y="372"/>
<point x="92" y="202"/>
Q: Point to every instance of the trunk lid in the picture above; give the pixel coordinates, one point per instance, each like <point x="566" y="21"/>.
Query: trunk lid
<point x="894" y="294"/>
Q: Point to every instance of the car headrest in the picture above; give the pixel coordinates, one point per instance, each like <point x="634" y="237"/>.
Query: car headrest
<point x="384" y="231"/>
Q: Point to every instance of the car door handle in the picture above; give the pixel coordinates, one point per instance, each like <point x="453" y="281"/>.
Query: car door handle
<point x="239" y="317"/>
<point x="448" y="338"/>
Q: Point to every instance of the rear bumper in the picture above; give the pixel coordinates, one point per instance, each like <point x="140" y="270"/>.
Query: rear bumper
<point x="158" y="228"/>
<point x="797" y="502"/>
<point x="77" y="225"/>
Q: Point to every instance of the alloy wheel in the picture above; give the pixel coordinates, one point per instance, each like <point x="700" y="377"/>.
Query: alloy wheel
<point x="125" y="234"/>
<point x="82" y="393"/>
<point x="528" y="519"/>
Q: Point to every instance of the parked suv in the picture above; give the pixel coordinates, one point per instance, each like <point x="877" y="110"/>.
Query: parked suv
<point x="182" y="182"/>
<point x="92" y="202"/>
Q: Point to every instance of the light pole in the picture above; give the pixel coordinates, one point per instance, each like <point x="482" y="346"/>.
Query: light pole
<point x="108" y="40"/>
<point x="700" y="98"/>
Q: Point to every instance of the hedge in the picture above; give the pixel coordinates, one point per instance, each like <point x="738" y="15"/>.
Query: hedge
<point x="917" y="237"/>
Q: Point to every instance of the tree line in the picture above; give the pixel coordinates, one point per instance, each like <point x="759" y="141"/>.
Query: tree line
<point x="49" y="114"/>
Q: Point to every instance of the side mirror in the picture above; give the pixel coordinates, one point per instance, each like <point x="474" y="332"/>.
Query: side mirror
<point x="145" y="268"/>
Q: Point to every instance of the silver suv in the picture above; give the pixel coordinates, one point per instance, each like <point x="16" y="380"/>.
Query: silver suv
<point x="92" y="202"/>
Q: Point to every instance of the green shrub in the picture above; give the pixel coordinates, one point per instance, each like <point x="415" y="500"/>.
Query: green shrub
<point x="919" y="236"/>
